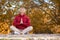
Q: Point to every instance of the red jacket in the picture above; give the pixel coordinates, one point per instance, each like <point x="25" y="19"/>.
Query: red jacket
<point x="17" y="20"/>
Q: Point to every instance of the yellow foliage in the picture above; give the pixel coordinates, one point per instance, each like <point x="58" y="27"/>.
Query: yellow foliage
<point x="4" y="28"/>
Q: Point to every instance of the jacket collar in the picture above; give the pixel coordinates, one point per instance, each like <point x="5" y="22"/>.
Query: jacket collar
<point x="21" y="15"/>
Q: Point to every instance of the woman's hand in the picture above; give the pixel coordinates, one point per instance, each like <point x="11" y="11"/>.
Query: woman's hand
<point x="21" y="22"/>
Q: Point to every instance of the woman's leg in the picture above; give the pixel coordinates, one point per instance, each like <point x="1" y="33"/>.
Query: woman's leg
<point x="27" y="30"/>
<point x="15" y="30"/>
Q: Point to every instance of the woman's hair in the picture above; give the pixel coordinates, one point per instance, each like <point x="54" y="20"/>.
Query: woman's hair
<point x="22" y="8"/>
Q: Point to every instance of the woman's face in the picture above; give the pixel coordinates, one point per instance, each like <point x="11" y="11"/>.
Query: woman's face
<point x="22" y="11"/>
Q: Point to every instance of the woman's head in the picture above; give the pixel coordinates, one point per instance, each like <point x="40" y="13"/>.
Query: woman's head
<point x="22" y="10"/>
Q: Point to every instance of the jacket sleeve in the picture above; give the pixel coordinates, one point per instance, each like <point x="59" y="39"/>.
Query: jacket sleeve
<point x="15" y="22"/>
<point x="27" y="23"/>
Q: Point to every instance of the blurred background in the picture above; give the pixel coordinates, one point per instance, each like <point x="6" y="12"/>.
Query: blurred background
<point x="44" y="15"/>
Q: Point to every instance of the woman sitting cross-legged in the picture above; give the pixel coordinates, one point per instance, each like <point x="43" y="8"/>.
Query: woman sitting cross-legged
<point x="21" y="23"/>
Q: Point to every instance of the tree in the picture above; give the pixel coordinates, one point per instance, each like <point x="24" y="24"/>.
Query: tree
<point x="44" y="15"/>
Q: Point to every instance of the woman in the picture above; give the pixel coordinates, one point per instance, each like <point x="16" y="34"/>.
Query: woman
<point x="21" y="23"/>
